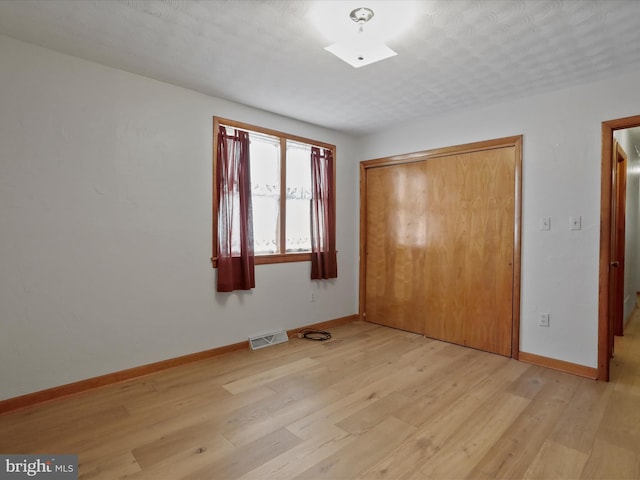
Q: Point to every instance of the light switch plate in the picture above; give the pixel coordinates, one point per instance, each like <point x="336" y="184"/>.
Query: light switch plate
<point x="575" y="223"/>
<point x="545" y="223"/>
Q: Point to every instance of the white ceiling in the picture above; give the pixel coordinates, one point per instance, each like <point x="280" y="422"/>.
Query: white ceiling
<point x="267" y="54"/>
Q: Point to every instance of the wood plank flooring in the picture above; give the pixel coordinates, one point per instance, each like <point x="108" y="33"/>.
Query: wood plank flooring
<point x="372" y="403"/>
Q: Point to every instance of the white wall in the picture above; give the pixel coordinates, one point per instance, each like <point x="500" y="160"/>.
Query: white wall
<point x="561" y="178"/>
<point x="632" y="223"/>
<point x="105" y="218"/>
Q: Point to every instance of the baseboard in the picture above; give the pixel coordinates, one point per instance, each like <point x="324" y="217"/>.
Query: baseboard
<point x="561" y="365"/>
<point x="55" y="393"/>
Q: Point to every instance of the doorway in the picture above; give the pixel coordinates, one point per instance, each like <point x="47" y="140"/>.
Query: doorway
<point x="612" y="220"/>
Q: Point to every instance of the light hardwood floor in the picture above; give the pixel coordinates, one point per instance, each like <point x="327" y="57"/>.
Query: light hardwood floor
<point x="372" y="403"/>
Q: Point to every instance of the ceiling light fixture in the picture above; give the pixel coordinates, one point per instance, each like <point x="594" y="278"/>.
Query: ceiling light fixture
<point x="361" y="49"/>
<point x="361" y="16"/>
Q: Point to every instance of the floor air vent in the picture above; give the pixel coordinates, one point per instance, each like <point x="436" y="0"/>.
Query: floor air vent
<point x="273" y="338"/>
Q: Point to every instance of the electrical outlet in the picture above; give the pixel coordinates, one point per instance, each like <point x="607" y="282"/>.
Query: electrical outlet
<point x="544" y="319"/>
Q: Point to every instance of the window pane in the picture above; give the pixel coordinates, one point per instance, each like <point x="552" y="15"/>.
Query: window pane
<point x="298" y="226"/>
<point x="265" y="191"/>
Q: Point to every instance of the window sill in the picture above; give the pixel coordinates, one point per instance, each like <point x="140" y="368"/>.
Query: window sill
<point x="275" y="258"/>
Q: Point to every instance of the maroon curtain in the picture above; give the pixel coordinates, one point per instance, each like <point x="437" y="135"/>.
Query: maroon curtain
<point x="235" y="224"/>
<point x="323" y="216"/>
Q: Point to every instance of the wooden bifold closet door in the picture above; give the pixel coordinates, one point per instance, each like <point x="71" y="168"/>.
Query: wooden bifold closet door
<point x="440" y="238"/>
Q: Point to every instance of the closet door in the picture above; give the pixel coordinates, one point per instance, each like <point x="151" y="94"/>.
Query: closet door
<point x="469" y="261"/>
<point x="395" y="246"/>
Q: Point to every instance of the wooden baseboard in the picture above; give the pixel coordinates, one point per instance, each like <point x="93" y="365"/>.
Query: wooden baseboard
<point x="561" y="365"/>
<point x="55" y="393"/>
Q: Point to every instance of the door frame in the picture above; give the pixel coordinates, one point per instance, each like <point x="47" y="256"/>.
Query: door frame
<point x="516" y="142"/>
<point x="605" y="328"/>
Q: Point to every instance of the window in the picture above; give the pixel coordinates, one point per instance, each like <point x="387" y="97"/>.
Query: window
<point x="281" y="192"/>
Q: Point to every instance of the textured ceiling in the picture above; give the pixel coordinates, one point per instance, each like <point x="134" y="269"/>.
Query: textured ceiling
<point x="267" y="54"/>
